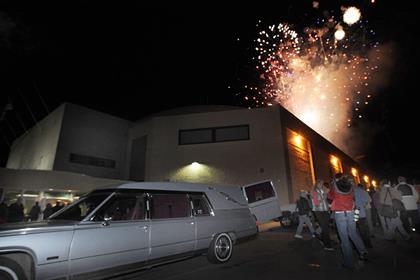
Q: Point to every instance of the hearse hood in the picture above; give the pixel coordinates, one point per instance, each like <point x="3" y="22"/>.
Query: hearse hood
<point x="36" y="227"/>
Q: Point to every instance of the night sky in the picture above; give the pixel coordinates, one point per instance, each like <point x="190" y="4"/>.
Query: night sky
<point x="133" y="59"/>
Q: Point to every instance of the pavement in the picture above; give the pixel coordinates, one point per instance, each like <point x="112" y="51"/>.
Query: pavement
<point x="276" y="254"/>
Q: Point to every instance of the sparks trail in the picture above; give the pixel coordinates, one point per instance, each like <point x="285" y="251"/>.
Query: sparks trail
<point x="322" y="75"/>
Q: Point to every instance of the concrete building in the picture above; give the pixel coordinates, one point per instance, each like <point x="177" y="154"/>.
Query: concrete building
<point x="210" y="144"/>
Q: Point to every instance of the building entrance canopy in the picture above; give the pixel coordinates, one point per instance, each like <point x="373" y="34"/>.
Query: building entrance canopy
<point x="42" y="180"/>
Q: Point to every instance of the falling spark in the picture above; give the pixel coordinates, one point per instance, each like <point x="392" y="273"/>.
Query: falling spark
<point x="351" y="15"/>
<point x="339" y="34"/>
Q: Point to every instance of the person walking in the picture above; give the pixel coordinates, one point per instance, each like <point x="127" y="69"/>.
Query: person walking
<point x="321" y="210"/>
<point x="371" y="213"/>
<point x="393" y="221"/>
<point x="342" y="196"/>
<point x="377" y="204"/>
<point x="3" y="212"/>
<point x="303" y="208"/>
<point x="57" y="206"/>
<point x="35" y="211"/>
<point x="16" y="211"/>
<point x="409" y="197"/>
<point x="362" y="200"/>
<point x="48" y="211"/>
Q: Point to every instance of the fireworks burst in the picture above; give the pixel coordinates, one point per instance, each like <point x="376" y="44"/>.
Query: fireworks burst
<point x="323" y="75"/>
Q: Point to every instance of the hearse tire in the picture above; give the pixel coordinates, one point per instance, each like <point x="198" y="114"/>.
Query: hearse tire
<point x="11" y="270"/>
<point x="220" y="249"/>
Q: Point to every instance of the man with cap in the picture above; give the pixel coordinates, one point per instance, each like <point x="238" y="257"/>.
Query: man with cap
<point x="303" y="208"/>
<point x="342" y="196"/>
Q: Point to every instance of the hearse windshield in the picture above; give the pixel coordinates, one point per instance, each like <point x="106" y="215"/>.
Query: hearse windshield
<point x="83" y="207"/>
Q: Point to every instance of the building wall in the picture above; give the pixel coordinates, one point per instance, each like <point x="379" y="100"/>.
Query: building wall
<point x="36" y="149"/>
<point x="321" y="148"/>
<point x="92" y="143"/>
<point x="235" y="162"/>
<point x="140" y="130"/>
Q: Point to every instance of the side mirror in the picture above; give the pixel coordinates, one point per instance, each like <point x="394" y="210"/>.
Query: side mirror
<point x="106" y="221"/>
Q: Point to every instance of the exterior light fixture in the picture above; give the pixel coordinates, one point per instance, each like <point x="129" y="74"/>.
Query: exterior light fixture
<point x="195" y="166"/>
<point x="298" y="140"/>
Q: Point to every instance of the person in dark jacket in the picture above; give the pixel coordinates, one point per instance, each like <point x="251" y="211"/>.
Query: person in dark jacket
<point x="377" y="205"/>
<point x="15" y="212"/>
<point x="342" y="196"/>
<point x="48" y="210"/>
<point x="35" y="211"/>
<point x="362" y="200"/>
<point x="304" y="208"/>
<point x="3" y="212"/>
<point x="57" y="206"/>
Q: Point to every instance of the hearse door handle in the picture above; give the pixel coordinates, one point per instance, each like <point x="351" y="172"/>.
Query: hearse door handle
<point x="145" y="228"/>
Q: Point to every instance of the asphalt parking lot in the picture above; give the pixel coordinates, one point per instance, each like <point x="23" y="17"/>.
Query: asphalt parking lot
<point x="275" y="254"/>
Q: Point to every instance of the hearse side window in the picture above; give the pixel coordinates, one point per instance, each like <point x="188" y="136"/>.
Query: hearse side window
<point x="200" y="205"/>
<point x="169" y="205"/>
<point x="122" y="207"/>
<point x="82" y="208"/>
<point x="259" y="191"/>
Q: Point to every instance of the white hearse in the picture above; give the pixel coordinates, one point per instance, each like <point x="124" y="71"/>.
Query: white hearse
<point x="122" y="228"/>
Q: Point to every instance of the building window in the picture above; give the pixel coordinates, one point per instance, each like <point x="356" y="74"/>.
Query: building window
<point x="94" y="161"/>
<point x="214" y="134"/>
<point x="234" y="133"/>
<point x="196" y="136"/>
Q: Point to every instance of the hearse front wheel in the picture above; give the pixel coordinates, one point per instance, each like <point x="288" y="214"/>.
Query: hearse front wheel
<point x="10" y="270"/>
<point x="220" y="249"/>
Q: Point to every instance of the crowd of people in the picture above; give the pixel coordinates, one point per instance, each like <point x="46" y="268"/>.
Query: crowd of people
<point x="354" y="211"/>
<point x="15" y="212"/>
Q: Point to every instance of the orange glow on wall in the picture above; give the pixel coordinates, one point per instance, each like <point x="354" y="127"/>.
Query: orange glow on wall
<point x="336" y="164"/>
<point x="334" y="160"/>
<point x="367" y="180"/>
<point x="355" y="174"/>
<point x="374" y="184"/>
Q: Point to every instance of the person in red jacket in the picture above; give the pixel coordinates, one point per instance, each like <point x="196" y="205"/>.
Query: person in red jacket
<point x="342" y="196"/>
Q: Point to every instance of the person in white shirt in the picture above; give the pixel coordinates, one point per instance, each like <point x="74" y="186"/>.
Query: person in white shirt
<point x="410" y="196"/>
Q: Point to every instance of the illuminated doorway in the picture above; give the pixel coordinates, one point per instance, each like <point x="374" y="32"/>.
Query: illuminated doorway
<point x="336" y="166"/>
<point x="300" y="160"/>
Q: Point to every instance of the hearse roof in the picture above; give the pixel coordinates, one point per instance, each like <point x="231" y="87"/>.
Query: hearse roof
<point x="169" y="186"/>
<point x="221" y="196"/>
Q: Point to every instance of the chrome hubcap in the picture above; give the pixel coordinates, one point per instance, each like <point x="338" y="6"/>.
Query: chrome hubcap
<point x="222" y="247"/>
